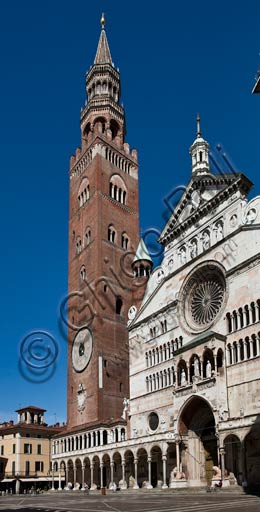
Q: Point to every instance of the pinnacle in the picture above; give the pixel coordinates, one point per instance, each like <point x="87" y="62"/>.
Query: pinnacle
<point x="103" y="55"/>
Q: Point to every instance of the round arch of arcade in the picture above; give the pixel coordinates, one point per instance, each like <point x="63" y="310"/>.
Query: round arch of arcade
<point x="146" y="466"/>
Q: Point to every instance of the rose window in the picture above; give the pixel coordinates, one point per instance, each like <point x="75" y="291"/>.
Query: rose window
<point x="202" y="297"/>
<point x="206" y="301"/>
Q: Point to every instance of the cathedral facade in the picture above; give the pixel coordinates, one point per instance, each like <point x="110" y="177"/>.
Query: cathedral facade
<point x="163" y="365"/>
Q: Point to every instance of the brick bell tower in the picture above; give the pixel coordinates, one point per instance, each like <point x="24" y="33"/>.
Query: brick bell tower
<point x="103" y="237"/>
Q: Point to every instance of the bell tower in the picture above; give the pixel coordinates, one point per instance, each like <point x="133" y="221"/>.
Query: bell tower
<point x="103" y="238"/>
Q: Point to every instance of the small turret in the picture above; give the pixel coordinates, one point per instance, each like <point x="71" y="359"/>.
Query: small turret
<point x="199" y="152"/>
<point x="142" y="263"/>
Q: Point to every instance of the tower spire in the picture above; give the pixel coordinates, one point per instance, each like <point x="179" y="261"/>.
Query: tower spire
<point x="199" y="152"/>
<point x="103" y="110"/>
<point x="103" y="55"/>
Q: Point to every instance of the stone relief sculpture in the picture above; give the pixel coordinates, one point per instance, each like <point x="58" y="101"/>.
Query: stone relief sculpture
<point x="183" y="378"/>
<point x="205" y="240"/>
<point x="81" y="397"/>
<point x="183" y="256"/>
<point x="193" y="249"/>
<point x="219" y="231"/>
<point x="251" y="216"/>
<point x="160" y="275"/>
<point x="196" y="365"/>
<point x="208" y="369"/>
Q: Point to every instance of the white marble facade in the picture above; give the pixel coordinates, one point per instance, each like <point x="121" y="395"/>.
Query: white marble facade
<point x="195" y="341"/>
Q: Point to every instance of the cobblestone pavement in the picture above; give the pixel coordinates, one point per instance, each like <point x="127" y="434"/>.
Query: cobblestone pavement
<point x="133" y="502"/>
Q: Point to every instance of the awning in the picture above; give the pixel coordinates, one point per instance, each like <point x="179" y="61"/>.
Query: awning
<point x="7" y="480"/>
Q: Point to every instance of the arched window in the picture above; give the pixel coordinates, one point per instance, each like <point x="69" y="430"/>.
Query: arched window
<point x="229" y="323"/>
<point x="104" y="437"/>
<point x="229" y="354"/>
<point x="247" y="348"/>
<point x="78" y="245"/>
<point x="83" y="192"/>
<point x="83" y="273"/>
<point x="219" y="359"/>
<point x="235" y="320"/>
<point x="114" y="127"/>
<point x="241" y="318"/>
<point x="124" y="241"/>
<point x="111" y="234"/>
<point x="253" y="313"/>
<point x="247" y="314"/>
<point x="254" y="345"/>
<point x="88" y="236"/>
<point x="99" y="124"/>
<point x="241" y="350"/>
<point x="235" y="352"/>
<point x="119" y="304"/>
<point x="117" y="189"/>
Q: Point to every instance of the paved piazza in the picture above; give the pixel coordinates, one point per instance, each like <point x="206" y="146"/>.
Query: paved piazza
<point x="133" y="502"/>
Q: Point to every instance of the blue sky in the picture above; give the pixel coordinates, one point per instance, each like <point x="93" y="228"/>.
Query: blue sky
<point x="175" y="59"/>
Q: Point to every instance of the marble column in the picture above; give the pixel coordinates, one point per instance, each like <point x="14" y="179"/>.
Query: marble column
<point x="222" y="462"/>
<point x="101" y="475"/>
<point x="178" y="455"/>
<point x="59" y="488"/>
<point x="164" y="461"/>
<point x="83" y="473"/>
<point x="149" y="461"/>
<point x="251" y="348"/>
<point x="91" y="475"/>
<point x="136" y="486"/>
<point x="75" y="474"/>
<point x="111" y="472"/>
<point x="124" y="485"/>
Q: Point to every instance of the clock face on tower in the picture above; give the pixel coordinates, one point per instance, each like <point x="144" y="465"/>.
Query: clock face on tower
<point x="82" y="349"/>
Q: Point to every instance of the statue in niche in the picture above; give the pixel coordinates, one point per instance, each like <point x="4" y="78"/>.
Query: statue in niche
<point x="183" y="378"/>
<point x="160" y="275"/>
<point x="233" y="220"/>
<point x="193" y="249"/>
<point x="205" y="240"/>
<point x="219" y="231"/>
<point x="251" y="215"/>
<point x="208" y="369"/>
<point x="196" y="365"/>
<point x="183" y="257"/>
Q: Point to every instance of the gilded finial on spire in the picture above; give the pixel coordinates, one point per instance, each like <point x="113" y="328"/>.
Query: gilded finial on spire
<point x="198" y="126"/>
<point x="103" y="20"/>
